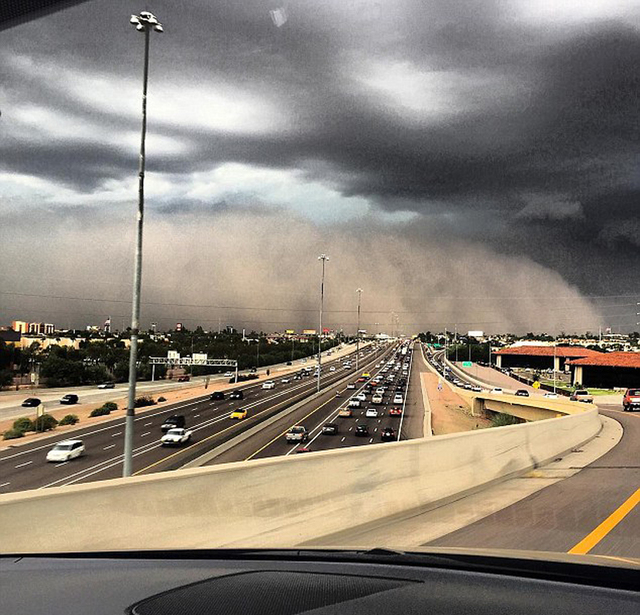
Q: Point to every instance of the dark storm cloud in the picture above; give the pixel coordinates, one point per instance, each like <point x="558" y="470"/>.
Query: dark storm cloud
<point x="534" y="154"/>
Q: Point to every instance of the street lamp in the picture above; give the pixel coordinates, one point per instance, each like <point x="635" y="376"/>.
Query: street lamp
<point x="145" y="23"/>
<point x="359" y="291"/>
<point x="324" y="258"/>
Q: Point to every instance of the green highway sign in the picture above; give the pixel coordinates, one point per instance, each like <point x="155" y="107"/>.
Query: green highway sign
<point x="467" y="364"/>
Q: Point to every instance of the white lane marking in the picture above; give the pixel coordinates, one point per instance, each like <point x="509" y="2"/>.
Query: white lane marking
<point x="109" y="463"/>
<point x="376" y="429"/>
<point x="26" y="463"/>
<point x="116" y="434"/>
<point x="59" y="465"/>
<point x="4" y="484"/>
<point x="195" y="416"/>
<point x="146" y="433"/>
<point x="350" y="428"/>
<point x="104" y="448"/>
<point x="147" y="424"/>
<point x="343" y="438"/>
<point x="370" y="441"/>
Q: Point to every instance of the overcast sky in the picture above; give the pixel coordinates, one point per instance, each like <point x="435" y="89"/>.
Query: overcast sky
<point x="471" y="162"/>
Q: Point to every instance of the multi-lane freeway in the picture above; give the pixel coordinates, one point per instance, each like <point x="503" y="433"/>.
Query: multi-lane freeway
<point x="404" y="418"/>
<point x="24" y="466"/>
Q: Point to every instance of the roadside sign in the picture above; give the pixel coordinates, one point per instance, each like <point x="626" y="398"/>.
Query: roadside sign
<point x="467" y="364"/>
<point x="440" y="386"/>
<point x="40" y="410"/>
<point x="536" y="385"/>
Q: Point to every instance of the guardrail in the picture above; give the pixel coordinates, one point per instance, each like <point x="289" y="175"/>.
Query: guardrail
<point x="282" y="501"/>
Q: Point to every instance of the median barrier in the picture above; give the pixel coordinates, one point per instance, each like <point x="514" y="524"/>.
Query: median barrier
<point x="281" y="502"/>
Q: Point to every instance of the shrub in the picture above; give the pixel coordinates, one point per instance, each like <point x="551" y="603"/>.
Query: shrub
<point x="101" y="411"/>
<point x="45" y="423"/>
<point x="110" y="405"/>
<point x="162" y="399"/>
<point x="145" y="400"/>
<point x="24" y="423"/>
<point x="500" y="420"/>
<point x="69" y="419"/>
<point x="11" y="434"/>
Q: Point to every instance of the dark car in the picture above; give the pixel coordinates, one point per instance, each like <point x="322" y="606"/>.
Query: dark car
<point x="362" y="430"/>
<point x="175" y="420"/>
<point x="522" y="393"/>
<point x="184" y="378"/>
<point x="69" y="399"/>
<point x="388" y="434"/>
<point x="216" y="395"/>
<point x="330" y="429"/>
<point x="236" y="395"/>
<point x="31" y="402"/>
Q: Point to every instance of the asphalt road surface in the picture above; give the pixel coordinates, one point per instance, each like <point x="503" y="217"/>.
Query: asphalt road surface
<point x="24" y="467"/>
<point x="271" y="441"/>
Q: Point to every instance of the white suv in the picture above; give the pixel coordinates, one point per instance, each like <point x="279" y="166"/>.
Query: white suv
<point x="269" y="384"/>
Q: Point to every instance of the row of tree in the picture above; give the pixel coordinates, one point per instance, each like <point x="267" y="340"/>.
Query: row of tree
<point x="108" y="360"/>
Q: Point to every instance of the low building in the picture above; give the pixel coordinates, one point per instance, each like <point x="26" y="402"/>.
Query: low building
<point x="541" y="357"/>
<point x="10" y="337"/>
<point x="607" y="370"/>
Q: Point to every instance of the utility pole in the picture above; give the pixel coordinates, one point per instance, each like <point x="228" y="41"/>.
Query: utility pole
<point x="359" y="291"/>
<point x="324" y="258"/>
<point x="145" y="22"/>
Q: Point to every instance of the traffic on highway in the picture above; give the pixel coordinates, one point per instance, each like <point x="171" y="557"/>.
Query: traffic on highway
<point x="208" y="419"/>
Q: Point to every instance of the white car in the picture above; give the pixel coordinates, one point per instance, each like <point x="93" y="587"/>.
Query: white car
<point x="380" y="390"/>
<point x="354" y="403"/>
<point x="285" y="380"/>
<point x="376" y="399"/>
<point x="269" y="384"/>
<point x="351" y="385"/>
<point x="229" y="374"/>
<point x="497" y="390"/>
<point x="551" y="395"/>
<point x="477" y="389"/>
<point x="361" y="397"/>
<point x="397" y="399"/>
<point x="371" y="413"/>
<point x="332" y="368"/>
<point x="177" y="435"/>
<point x="66" y="450"/>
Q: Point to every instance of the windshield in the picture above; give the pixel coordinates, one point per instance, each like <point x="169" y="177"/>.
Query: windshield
<point x="62" y="447"/>
<point x="300" y="198"/>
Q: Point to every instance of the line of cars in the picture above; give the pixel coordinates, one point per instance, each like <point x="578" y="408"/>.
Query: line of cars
<point x="383" y="385"/>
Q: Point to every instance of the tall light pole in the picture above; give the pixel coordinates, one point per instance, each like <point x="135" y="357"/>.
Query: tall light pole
<point x="359" y="291"/>
<point x="145" y="23"/>
<point x="324" y="258"/>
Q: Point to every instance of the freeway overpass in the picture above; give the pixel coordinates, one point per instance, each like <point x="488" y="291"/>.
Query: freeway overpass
<point x="514" y="487"/>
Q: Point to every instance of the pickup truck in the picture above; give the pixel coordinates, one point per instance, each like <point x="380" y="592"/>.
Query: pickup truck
<point x="582" y="395"/>
<point x="297" y="434"/>
<point x="631" y="400"/>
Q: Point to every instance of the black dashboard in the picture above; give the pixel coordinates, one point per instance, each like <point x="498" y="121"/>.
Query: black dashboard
<point x="323" y="583"/>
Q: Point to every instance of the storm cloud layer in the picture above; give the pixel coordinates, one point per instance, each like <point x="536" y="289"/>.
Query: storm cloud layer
<point x="492" y="144"/>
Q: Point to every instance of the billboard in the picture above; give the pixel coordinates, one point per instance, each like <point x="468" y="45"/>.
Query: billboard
<point x="309" y="332"/>
<point x="173" y="354"/>
<point x="200" y="356"/>
<point x="289" y="331"/>
<point x="178" y="326"/>
<point x="476" y="334"/>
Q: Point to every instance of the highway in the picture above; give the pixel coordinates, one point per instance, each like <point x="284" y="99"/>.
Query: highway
<point x="594" y="511"/>
<point x="24" y="467"/>
<point x="271" y="441"/>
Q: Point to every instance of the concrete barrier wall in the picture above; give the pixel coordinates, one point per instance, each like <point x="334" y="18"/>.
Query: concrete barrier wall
<point x="280" y="502"/>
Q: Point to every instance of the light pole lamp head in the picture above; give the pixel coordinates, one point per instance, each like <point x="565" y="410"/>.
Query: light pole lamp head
<point x="144" y="21"/>
<point x="323" y="257"/>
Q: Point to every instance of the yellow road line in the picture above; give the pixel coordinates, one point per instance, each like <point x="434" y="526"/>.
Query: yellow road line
<point x="182" y="451"/>
<point x="287" y="429"/>
<point x="590" y="541"/>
